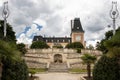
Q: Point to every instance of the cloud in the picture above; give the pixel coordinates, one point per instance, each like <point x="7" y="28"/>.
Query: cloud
<point x="23" y="39"/>
<point x="55" y="16"/>
<point x="28" y="33"/>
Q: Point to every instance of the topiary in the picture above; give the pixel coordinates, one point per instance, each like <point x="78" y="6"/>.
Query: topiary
<point x="106" y="69"/>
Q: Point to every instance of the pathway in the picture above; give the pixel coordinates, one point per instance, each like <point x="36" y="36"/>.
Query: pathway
<point x="59" y="76"/>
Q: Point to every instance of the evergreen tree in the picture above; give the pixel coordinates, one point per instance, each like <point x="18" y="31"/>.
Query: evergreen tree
<point x="10" y="36"/>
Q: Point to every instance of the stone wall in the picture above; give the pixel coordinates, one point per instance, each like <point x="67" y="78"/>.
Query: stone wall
<point x="42" y="58"/>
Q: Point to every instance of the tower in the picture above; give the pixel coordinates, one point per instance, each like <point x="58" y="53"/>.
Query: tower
<point x="77" y="32"/>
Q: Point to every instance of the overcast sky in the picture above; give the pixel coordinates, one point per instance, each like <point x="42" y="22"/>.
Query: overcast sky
<point x="54" y="16"/>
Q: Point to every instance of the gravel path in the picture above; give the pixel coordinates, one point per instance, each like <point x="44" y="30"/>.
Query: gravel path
<point x="59" y="76"/>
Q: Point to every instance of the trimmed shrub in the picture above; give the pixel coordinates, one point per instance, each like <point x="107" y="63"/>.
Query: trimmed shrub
<point x="74" y="45"/>
<point x="39" y="45"/>
<point x="106" y="69"/>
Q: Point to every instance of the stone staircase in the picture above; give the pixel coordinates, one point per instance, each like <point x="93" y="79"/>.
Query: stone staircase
<point x="58" y="67"/>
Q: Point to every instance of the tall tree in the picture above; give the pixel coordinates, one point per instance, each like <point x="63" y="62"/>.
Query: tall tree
<point x="101" y="46"/>
<point x="10" y="36"/>
<point x="108" y="66"/>
<point x="88" y="60"/>
<point x="113" y="44"/>
<point x="14" y="68"/>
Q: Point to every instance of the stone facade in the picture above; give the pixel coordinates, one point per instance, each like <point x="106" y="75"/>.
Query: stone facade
<point x="42" y="58"/>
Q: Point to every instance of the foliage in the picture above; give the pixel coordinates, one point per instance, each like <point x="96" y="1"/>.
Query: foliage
<point x="74" y="45"/>
<point x="14" y="70"/>
<point x="35" y="70"/>
<point x="90" y="47"/>
<point x="106" y="69"/>
<point x="10" y="36"/>
<point x="32" y="72"/>
<point x="21" y="48"/>
<point x="9" y="50"/>
<point x="77" y="70"/>
<point x="113" y="45"/>
<point x="78" y="50"/>
<point x="108" y="36"/>
<point x="58" y="46"/>
<point x="88" y="60"/>
<point x="13" y="67"/>
<point x="39" y="45"/>
<point x="114" y="41"/>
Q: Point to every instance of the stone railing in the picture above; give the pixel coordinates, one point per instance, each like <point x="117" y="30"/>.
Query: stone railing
<point x="51" y="50"/>
<point x="94" y="52"/>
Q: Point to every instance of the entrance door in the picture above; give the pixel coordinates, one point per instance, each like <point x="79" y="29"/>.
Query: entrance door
<point x="58" y="58"/>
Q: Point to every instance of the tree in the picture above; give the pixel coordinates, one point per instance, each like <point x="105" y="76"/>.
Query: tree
<point x="88" y="60"/>
<point x="90" y="47"/>
<point x="10" y="36"/>
<point x="14" y="68"/>
<point x="106" y="69"/>
<point x="101" y="46"/>
<point x="74" y="45"/>
<point x="13" y="65"/>
<point x="39" y="45"/>
<point x="113" y="45"/>
<point x="17" y="70"/>
<point x="21" y="48"/>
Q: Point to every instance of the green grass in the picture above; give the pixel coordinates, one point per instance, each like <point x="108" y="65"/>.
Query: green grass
<point x="36" y="70"/>
<point x="77" y="70"/>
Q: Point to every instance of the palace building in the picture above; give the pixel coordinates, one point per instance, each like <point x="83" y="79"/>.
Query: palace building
<point x="77" y="35"/>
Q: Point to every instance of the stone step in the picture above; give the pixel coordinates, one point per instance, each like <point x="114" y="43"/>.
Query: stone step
<point x="57" y="70"/>
<point x="58" y="67"/>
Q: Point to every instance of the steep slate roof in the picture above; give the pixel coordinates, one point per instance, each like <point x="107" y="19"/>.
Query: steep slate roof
<point x="52" y="39"/>
<point x="77" y="27"/>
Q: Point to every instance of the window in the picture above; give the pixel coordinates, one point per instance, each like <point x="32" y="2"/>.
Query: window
<point x="77" y="27"/>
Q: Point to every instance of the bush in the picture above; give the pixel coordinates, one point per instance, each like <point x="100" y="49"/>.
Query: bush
<point x="78" y="50"/>
<point x="21" y="48"/>
<point x="58" y="46"/>
<point x="106" y="69"/>
<point x="39" y="45"/>
<point x="14" y="70"/>
<point x="74" y="45"/>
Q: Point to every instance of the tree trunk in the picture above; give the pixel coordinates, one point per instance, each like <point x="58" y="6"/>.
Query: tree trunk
<point x="89" y="71"/>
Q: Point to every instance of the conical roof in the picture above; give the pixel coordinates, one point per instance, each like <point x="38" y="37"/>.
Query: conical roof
<point x="77" y="27"/>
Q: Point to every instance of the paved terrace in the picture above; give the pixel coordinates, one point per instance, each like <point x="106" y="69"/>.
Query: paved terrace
<point x="59" y="76"/>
